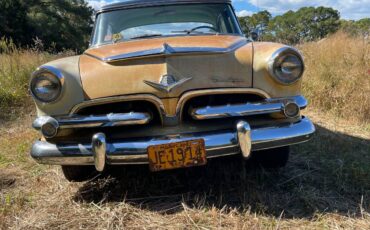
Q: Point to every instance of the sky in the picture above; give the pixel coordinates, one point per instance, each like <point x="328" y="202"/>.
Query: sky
<point x="349" y="9"/>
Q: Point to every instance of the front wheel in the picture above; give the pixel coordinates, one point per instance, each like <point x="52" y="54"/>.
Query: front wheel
<point x="272" y="158"/>
<point x="79" y="173"/>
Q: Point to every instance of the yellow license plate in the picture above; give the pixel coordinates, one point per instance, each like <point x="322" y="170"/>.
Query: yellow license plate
<point x="177" y="155"/>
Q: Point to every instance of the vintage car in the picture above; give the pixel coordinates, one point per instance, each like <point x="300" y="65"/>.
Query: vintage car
<point x="169" y="84"/>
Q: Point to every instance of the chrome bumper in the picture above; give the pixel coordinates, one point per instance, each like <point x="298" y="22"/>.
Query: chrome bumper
<point x="134" y="151"/>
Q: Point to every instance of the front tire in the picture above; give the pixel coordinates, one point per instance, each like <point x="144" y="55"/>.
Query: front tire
<point x="272" y="158"/>
<point x="79" y="173"/>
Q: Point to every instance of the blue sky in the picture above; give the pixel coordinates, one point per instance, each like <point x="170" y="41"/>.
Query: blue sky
<point x="349" y="9"/>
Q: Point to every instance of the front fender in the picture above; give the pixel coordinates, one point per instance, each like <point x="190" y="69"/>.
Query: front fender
<point x="261" y="77"/>
<point x="72" y="93"/>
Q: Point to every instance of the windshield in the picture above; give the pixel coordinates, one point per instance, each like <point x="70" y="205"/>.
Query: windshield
<point x="172" y="20"/>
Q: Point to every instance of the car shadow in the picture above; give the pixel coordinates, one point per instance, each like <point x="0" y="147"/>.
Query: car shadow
<point x="327" y="174"/>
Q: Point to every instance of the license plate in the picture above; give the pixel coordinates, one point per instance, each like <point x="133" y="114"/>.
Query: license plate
<point x="177" y="155"/>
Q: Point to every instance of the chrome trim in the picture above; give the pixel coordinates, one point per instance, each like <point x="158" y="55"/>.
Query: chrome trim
<point x="134" y="151"/>
<point x="244" y="137"/>
<point x="40" y="121"/>
<point x="301" y="101"/>
<point x="196" y="93"/>
<point x="166" y="36"/>
<point x="167" y="50"/>
<point x="110" y="120"/>
<point x="52" y="70"/>
<point x="268" y="106"/>
<point x="159" y="103"/>
<point x="99" y="149"/>
<point x="276" y="55"/>
<point x="296" y="107"/>
<point x="167" y="87"/>
<point x="101" y="101"/>
<point x="295" y="133"/>
<point x="47" y="120"/>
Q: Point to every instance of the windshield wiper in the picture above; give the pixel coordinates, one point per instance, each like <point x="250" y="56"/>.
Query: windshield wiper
<point x="194" y="32"/>
<point x="147" y="36"/>
<point x="186" y="31"/>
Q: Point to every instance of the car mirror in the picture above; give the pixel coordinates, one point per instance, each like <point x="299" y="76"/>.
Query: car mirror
<point x="254" y="36"/>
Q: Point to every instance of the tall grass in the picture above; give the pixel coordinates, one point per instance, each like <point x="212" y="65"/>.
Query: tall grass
<point x="337" y="79"/>
<point x="16" y="65"/>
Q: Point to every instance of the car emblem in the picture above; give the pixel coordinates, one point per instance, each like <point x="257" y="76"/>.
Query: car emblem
<point x="167" y="83"/>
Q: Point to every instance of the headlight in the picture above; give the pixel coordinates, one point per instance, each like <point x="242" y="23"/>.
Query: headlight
<point x="286" y="66"/>
<point x="46" y="84"/>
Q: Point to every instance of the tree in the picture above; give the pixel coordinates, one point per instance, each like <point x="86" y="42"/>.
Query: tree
<point x="306" y="24"/>
<point x="59" y="24"/>
<point x="356" y="28"/>
<point x="67" y="24"/>
<point x="14" y="22"/>
<point x="256" y="23"/>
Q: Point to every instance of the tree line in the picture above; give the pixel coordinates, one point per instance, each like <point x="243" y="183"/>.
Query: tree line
<point x="67" y="24"/>
<point x="59" y="24"/>
<point x="305" y="24"/>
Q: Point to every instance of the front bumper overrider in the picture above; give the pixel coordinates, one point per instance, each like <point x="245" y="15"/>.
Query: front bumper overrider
<point x="241" y="140"/>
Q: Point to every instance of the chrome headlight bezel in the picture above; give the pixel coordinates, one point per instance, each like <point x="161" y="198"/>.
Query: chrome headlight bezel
<point x="278" y="58"/>
<point x="47" y="73"/>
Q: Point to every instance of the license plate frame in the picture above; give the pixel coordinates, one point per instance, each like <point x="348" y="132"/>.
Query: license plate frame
<point x="177" y="155"/>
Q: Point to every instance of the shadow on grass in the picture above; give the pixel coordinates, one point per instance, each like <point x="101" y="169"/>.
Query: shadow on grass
<point x="7" y="180"/>
<point x="328" y="174"/>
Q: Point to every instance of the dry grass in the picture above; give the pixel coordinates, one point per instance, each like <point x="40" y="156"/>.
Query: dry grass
<point x="16" y="66"/>
<point x="326" y="184"/>
<point x="337" y="79"/>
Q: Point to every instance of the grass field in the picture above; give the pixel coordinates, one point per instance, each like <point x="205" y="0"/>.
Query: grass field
<point x="326" y="184"/>
<point x="337" y="76"/>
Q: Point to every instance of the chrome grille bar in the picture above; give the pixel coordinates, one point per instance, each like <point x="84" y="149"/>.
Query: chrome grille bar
<point x="268" y="106"/>
<point x="109" y="120"/>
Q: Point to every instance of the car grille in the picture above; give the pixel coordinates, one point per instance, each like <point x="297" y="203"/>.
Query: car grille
<point x="123" y="107"/>
<point x="216" y="100"/>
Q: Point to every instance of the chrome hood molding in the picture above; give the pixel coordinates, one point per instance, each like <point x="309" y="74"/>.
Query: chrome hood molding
<point x="167" y="50"/>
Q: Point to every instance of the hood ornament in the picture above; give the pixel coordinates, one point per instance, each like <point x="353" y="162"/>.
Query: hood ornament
<point x="167" y="83"/>
<point x="167" y="49"/>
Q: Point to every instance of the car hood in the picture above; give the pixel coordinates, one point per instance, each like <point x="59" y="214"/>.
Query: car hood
<point x="167" y="66"/>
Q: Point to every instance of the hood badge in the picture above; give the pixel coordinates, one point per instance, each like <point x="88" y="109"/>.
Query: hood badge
<point x="167" y="83"/>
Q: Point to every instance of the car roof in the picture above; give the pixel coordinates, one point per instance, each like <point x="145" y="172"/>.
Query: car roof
<point x="125" y="4"/>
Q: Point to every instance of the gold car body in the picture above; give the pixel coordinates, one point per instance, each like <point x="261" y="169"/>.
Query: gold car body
<point x="242" y="69"/>
<point x="170" y="79"/>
